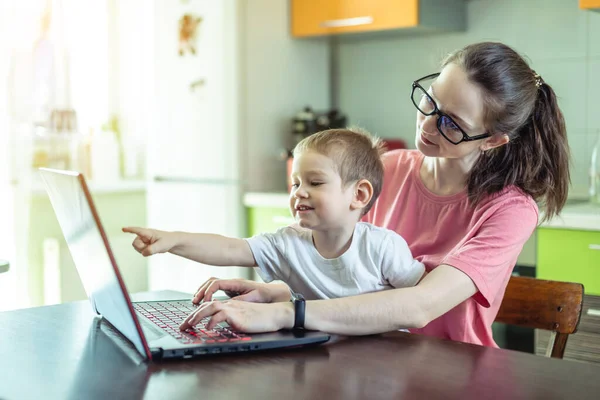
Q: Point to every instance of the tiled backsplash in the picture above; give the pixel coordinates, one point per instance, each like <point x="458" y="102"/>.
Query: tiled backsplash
<point x="561" y="42"/>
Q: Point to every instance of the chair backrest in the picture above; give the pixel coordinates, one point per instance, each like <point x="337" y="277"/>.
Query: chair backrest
<point x="542" y="304"/>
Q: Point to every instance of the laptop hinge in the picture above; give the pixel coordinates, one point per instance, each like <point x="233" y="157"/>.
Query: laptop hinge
<point x="156" y="353"/>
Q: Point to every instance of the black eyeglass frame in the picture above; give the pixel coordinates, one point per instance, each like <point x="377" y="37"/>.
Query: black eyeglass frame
<point x="440" y="114"/>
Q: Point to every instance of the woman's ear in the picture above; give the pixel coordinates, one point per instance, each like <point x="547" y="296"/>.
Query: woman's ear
<point x="496" y="140"/>
<point x="363" y="193"/>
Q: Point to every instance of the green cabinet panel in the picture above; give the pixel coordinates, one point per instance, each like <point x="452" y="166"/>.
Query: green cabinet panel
<point x="267" y="219"/>
<point x="571" y="256"/>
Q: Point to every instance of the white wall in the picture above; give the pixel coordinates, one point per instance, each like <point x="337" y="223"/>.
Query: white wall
<point x="281" y="75"/>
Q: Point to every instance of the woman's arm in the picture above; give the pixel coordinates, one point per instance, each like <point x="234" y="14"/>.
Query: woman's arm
<point x="440" y="291"/>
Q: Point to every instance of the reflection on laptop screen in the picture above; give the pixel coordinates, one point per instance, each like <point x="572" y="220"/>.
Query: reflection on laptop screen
<point x="90" y="251"/>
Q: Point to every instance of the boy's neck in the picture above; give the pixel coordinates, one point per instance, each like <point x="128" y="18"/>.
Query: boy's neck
<point x="333" y="243"/>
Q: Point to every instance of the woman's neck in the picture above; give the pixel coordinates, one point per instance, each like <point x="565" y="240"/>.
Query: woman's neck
<point x="333" y="243"/>
<point x="447" y="176"/>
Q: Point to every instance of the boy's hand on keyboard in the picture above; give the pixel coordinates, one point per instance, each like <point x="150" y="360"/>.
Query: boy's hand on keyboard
<point x="151" y="241"/>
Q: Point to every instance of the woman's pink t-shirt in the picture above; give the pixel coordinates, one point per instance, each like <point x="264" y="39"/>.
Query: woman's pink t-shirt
<point x="483" y="242"/>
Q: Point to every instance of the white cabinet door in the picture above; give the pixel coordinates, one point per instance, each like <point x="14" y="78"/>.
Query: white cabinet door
<point x="192" y="207"/>
<point x="195" y="100"/>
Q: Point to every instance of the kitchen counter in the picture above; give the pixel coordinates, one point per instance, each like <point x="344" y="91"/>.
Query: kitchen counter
<point x="267" y="199"/>
<point x="577" y="215"/>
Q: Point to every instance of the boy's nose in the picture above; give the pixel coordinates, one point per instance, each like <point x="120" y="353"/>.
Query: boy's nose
<point x="300" y="192"/>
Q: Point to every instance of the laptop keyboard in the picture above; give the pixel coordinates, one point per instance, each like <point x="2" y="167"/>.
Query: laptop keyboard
<point x="168" y="315"/>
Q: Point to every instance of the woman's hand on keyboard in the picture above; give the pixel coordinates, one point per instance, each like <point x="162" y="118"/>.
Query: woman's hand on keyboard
<point x="243" y="289"/>
<point x="243" y="316"/>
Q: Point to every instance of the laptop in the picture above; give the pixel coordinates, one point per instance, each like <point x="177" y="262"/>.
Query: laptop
<point x="151" y="327"/>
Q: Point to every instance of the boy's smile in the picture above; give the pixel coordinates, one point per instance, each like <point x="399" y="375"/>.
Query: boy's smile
<point x="303" y="208"/>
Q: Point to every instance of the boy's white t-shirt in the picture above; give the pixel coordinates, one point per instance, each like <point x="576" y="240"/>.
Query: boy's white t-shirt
<point x="378" y="259"/>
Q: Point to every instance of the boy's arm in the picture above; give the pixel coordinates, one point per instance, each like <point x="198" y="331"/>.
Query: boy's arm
<point x="213" y="249"/>
<point x="204" y="248"/>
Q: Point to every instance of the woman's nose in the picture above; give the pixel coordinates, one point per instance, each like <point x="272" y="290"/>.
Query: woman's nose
<point x="429" y="124"/>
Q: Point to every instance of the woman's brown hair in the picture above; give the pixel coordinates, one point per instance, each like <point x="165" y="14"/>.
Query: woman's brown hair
<point x="520" y="104"/>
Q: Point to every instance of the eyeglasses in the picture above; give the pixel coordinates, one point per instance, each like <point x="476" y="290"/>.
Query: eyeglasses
<point x="449" y="129"/>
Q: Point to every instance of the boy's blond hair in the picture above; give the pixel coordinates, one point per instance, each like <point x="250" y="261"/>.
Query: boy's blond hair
<point x="355" y="152"/>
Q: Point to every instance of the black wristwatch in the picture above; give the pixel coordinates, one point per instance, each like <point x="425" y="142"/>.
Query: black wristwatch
<point x="299" y="309"/>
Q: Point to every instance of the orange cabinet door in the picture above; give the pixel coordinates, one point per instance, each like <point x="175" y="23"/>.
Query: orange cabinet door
<point x="325" y="17"/>
<point x="589" y="4"/>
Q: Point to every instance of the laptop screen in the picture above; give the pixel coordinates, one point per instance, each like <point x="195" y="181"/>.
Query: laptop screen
<point x="90" y="250"/>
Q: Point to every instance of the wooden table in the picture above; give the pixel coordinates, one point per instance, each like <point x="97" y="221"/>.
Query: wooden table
<point x="64" y="352"/>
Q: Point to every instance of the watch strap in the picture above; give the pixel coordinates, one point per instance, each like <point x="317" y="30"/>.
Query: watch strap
<point x="299" y="310"/>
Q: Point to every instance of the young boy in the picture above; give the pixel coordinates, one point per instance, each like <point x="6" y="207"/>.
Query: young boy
<point x="336" y="177"/>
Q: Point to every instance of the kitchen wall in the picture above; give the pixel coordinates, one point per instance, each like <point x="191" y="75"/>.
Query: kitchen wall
<point x="561" y="41"/>
<point x="281" y="75"/>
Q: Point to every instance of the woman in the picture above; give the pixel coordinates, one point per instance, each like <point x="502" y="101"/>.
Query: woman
<point x="491" y="143"/>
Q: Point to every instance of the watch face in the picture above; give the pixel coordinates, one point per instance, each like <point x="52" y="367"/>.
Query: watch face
<point x="297" y="297"/>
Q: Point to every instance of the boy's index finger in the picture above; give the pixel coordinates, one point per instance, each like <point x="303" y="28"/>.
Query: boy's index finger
<point x="134" y="230"/>
<point x="143" y="233"/>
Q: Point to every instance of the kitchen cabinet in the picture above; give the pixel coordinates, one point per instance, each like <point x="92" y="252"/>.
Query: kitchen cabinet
<point x="267" y="219"/>
<point x="573" y="255"/>
<point x="330" y="17"/>
<point x="590" y="4"/>
<point x="570" y="255"/>
<point x="266" y="212"/>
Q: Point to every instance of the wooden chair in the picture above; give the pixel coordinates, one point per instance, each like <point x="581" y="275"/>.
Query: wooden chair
<point x="541" y="304"/>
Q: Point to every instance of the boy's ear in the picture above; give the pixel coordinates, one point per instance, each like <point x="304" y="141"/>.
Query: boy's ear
<point x="496" y="140"/>
<point x="363" y="193"/>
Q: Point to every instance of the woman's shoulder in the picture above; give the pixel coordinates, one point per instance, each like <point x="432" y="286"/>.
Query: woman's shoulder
<point x="513" y="195"/>
<point x="401" y="156"/>
<point x="513" y="200"/>
<point x="402" y="160"/>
